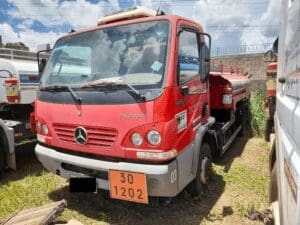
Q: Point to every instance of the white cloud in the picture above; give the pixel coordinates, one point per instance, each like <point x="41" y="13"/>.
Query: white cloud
<point x="78" y="14"/>
<point x="82" y="14"/>
<point x="28" y="36"/>
<point x="26" y="24"/>
<point x="226" y="21"/>
<point x="45" y="11"/>
<point x="264" y="33"/>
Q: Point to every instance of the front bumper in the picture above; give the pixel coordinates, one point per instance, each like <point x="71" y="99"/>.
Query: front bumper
<point x="159" y="181"/>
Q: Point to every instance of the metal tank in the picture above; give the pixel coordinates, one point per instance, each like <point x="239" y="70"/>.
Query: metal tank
<point x="228" y="87"/>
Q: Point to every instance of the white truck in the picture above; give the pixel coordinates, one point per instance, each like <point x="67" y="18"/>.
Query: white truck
<point x="285" y="156"/>
<point x="18" y="83"/>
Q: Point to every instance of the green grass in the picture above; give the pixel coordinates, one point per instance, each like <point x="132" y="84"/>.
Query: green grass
<point x="31" y="191"/>
<point x="40" y="188"/>
<point x="244" y="178"/>
<point x="249" y="183"/>
<point x="257" y="111"/>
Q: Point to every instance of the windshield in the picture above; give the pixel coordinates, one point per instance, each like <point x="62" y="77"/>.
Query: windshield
<point x="134" y="54"/>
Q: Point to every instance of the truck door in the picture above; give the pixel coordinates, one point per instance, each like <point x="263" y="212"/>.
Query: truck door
<point x="193" y="99"/>
<point x="287" y="120"/>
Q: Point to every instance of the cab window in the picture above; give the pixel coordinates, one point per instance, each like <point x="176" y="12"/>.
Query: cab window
<point x="188" y="56"/>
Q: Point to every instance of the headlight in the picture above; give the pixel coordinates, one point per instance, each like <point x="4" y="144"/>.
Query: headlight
<point x="136" y="139"/>
<point x="45" y="129"/>
<point x="153" y="137"/>
<point x="38" y="126"/>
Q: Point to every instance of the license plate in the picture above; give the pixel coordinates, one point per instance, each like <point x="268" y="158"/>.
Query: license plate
<point x="128" y="186"/>
<point x="83" y="184"/>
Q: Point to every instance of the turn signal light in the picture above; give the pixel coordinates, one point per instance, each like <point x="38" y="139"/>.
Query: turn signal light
<point x="157" y="155"/>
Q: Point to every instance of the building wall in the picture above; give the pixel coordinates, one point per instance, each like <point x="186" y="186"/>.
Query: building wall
<point x="251" y="63"/>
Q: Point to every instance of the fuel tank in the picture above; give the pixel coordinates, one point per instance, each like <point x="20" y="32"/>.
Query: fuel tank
<point x="228" y="86"/>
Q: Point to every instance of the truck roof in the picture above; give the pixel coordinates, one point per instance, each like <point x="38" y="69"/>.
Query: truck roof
<point x="171" y="18"/>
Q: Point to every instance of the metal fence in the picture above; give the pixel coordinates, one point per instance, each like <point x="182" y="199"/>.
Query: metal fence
<point x="8" y="53"/>
<point x="242" y="49"/>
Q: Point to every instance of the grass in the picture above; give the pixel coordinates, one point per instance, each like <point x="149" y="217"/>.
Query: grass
<point x="245" y="187"/>
<point x="248" y="183"/>
<point x="257" y="111"/>
<point x="244" y="178"/>
<point x="31" y="191"/>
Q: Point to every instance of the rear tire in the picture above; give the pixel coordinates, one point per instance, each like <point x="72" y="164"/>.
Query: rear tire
<point x="244" y="118"/>
<point x="268" y="129"/>
<point x="273" y="188"/>
<point x="200" y="183"/>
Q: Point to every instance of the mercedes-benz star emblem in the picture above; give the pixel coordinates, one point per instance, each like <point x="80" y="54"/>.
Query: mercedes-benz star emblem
<point x="80" y="136"/>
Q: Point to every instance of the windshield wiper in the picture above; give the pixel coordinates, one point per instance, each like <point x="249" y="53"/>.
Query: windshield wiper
<point x="135" y="91"/>
<point x="56" y="88"/>
<point x="101" y="83"/>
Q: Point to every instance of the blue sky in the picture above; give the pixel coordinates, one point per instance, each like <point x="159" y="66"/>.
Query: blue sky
<point x="232" y="23"/>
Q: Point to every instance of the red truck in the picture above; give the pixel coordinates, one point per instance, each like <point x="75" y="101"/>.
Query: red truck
<point x="129" y="106"/>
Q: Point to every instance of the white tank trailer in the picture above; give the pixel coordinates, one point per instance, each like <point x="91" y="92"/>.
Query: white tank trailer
<point x="18" y="82"/>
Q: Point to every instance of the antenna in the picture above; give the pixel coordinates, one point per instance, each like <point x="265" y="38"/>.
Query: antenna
<point x="157" y="12"/>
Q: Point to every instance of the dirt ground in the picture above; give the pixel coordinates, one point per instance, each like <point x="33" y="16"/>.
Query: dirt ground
<point x="239" y="183"/>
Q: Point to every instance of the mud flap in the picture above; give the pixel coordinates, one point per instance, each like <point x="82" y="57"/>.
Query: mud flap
<point x="11" y="161"/>
<point x="275" y="211"/>
<point x="9" y="144"/>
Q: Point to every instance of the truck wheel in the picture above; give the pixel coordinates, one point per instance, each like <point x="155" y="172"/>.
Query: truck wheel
<point x="273" y="189"/>
<point x="268" y="129"/>
<point x="197" y="186"/>
<point x="244" y="121"/>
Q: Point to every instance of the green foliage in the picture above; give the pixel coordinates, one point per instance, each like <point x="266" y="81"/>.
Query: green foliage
<point x="257" y="111"/>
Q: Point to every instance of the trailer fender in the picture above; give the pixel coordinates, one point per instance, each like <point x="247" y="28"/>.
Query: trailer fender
<point x="202" y="131"/>
<point x="8" y="140"/>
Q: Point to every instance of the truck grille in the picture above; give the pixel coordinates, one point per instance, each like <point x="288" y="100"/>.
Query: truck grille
<point x="97" y="136"/>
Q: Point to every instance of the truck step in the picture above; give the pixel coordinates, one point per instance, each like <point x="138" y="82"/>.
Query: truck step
<point x="230" y="140"/>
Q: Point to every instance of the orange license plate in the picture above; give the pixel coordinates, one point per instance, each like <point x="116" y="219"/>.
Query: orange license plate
<point x="128" y="186"/>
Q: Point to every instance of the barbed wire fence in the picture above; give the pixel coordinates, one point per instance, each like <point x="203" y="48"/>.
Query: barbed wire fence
<point x="240" y="50"/>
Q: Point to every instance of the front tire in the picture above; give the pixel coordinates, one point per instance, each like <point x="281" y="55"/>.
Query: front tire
<point x="273" y="188"/>
<point x="198" y="185"/>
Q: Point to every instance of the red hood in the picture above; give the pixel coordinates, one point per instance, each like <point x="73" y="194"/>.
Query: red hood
<point x="106" y="125"/>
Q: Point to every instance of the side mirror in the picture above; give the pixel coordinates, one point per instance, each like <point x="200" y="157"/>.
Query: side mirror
<point x="269" y="56"/>
<point x="205" y="65"/>
<point x="205" y="55"/>
<point x="42" y="59"/>
<point x="42" y="65"/>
